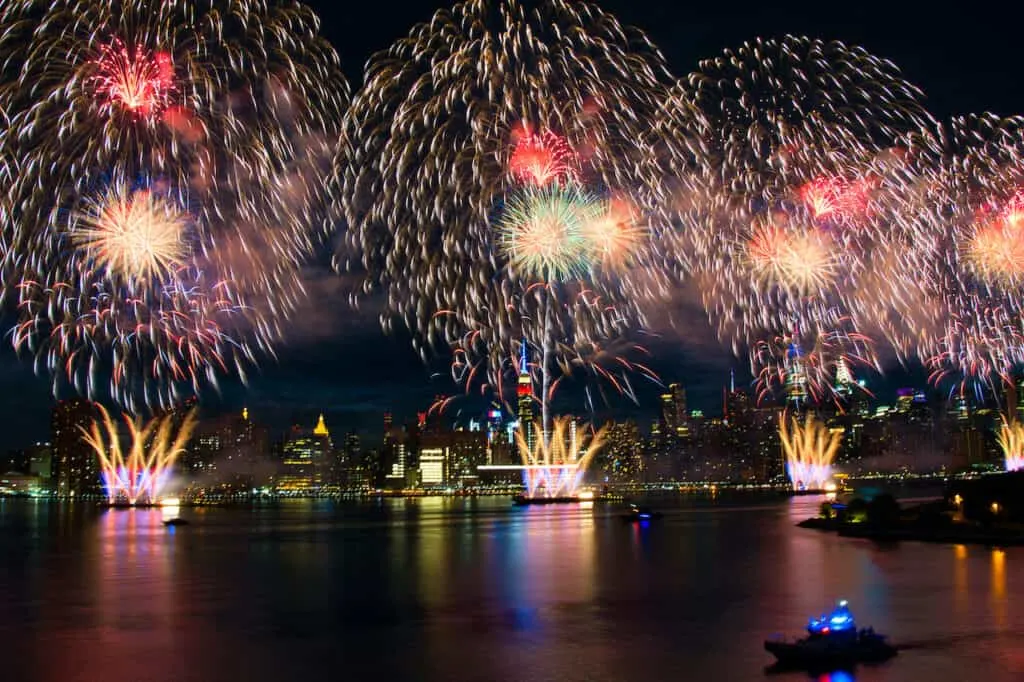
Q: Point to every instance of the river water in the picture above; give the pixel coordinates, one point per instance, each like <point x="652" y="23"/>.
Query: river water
<point x="464" y="589"/>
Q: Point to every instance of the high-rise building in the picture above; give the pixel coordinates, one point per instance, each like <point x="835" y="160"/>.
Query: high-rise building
<point x="352" y="447"/>
<point x="228" y="453"/>
<point x="432" y="465"/>
<point x="395" y="454"/>
<point x="796" y="377"/>
<point x="673" y="409"/>
<point x="451" y="457"/>
<point x="524" y="394"/>
<point x="40" y="462"/>
<point x="345" y="463"/>
<point x="73" y="463"/>
<point x="621" y="458"/>
<point x="844" y="379"/>
<point x="498" y="443"/>
<point x="307" y="458"/>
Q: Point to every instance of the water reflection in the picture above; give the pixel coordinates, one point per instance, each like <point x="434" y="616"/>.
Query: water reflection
<point x="135" y="582"/>
<point x="961" y="590"/>
<point x="463" y="590"/>
<point x="997" y="590"/>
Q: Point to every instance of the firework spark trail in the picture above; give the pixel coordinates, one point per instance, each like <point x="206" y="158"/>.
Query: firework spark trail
<point x="555" y="466"/>
<point x="530" y="169"/>
<point x="952" y="297"/>
<point x="216" y="123"/>
<point x="445" y="133"/>
<point x="138" y="475"/>
<point x="787" y="146"/>
<point x="809" y="448"/>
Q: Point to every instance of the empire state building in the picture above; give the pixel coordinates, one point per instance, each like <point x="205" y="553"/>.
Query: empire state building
<point x="524" y="394"/>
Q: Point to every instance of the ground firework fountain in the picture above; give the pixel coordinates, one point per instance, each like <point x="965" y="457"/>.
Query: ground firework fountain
<point x="1011" y="440"/>
<point x="137" y="476"/>
<point x="553" y="468"/>
<point x="809" y="449"/>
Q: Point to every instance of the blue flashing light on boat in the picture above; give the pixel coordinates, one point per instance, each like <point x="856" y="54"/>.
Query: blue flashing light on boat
<point x="834" y="642"/>
<point x="838" y="621"/>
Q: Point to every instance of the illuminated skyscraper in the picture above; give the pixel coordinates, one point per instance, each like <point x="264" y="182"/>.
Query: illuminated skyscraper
<point x="673" y="412"/>
<point x="796" y="378"/>
<point x="74" y="466"/>
<point x="498" y="450"/>
<point x="394" y="453"/>
<point x="307" y="457"/>
<point x="844" y="379"/>
<point x="524" y="393"/>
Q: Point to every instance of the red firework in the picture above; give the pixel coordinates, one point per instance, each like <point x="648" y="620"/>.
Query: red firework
<point x="836" y="198"/>
<point x="134" y="78"/>
<point x="542" y="159"/>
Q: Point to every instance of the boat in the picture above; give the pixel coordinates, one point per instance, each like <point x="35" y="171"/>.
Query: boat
<point x="833" y="642"/>
<point x="640" y="514"/>
<point x="524" y="500"/>
<point x="176" y="521"/>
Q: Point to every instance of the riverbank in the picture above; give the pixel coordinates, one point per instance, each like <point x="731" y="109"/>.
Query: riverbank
<point x="951" y="532"/>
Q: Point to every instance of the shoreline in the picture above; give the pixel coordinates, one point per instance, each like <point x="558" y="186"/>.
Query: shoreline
<point x="958" y="533"/>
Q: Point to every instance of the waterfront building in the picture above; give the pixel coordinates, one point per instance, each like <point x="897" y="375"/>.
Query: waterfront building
<point x="673" y="413"/>
<point x="228" y="454"/>
<point x="450" y="457"/>
<point x="307" y="455"/>
<point x="621" y="458"/>
<point x="73" y="464"/>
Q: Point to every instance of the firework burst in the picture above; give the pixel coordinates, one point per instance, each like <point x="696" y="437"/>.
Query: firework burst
<point x="535" y="99"/>
<point x="542" y="231"/>
<point x="950" y="297"/>
<point x="787" y="147"/>
<point x="170" y="184"/>
<point x="133" y="234"/>
<point x="134" y="79"/>
<point x="613" y="236"/>
<point x="543" y="159"/>
<point x="801" y="260"/>
<point x="995" y="250"/>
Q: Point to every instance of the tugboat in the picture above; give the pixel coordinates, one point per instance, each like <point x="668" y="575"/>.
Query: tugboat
<point x="833" y="641"/>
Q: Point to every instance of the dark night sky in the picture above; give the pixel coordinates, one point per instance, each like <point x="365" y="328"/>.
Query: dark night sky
<point x="340" y="362"/>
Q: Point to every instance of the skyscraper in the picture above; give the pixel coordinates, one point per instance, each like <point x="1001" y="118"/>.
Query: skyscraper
<point x="73" y="463"/>
<point x="394" y="454"/>
<point x="307" y="457"/>
<point x="524" y="393"/>
<point x="796" y="379"/>
<point x="673" y="412"/>
<point x="844" y="379"/>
